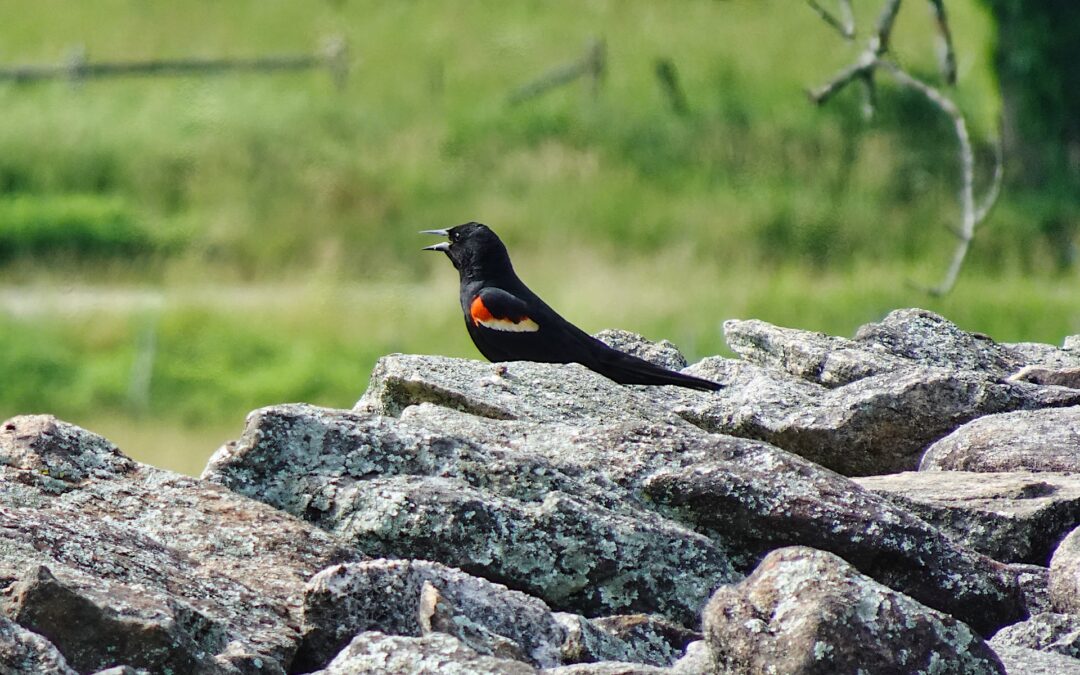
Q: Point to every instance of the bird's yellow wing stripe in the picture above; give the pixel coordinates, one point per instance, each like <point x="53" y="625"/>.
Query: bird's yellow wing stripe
<point x="481" y="316"/>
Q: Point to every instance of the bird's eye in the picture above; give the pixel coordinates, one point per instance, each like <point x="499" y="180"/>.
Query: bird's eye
<point x="453" y="236"/>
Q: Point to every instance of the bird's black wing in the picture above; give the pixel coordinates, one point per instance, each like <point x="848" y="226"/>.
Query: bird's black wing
<point x="499" y="310"/>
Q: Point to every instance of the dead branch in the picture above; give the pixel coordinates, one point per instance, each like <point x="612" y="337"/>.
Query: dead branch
<point x="590" y="65"/>
<point x="946" y="54"/>
<point x="845" y="25"/>
<point x="874" y="56"/>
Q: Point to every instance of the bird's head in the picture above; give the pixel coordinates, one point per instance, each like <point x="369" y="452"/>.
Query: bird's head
<point x="475" y="250"/>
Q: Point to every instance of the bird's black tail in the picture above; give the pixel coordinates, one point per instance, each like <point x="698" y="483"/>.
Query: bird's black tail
<point x="627" y="369"/>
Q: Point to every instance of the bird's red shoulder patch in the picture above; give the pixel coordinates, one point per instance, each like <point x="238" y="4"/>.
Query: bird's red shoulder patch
<point x="482" y="316"/>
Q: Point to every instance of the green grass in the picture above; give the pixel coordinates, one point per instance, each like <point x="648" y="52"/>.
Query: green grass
<point x="276" y="215"/>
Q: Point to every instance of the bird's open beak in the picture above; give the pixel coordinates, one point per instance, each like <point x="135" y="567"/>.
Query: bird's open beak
<point x="441" y="246"/>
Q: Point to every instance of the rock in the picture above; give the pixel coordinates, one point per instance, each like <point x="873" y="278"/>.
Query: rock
<point x="385" y="596"/>
<point x="607" y="668"/>
<point x="1061" y="377"/>
<point x="1034" y="582"/>
<point x="807" y="611"/>
<point x="1047" y="632"/>
<point x="405" y="490"/>
<point x="1045" y="356"/>
<point x="878" y="424"/>
<point x="815" y="357"/>
<point x="1012" y="517"/>
<point x="662" y="353"/>
<point x="1025" y="440"/>
<point x="932" y="340"/>
<point x="163" y="571"/>
<point x="1024" y="661"/>
<point x="770" y="504"/>
<point x="1065" y="574"/>
<point x="23" y="652"/>
<point x="697" y="660"/>
<point x="520" y="390"/>
<point x="374" y="652"/>
<point x="679" y="510"/>
<point x="633" y="638"/>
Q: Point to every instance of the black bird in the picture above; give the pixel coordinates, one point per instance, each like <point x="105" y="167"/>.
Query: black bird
<point x="508" y="322"/>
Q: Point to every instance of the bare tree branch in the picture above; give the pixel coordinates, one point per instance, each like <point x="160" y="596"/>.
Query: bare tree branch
<point x="866" y="63"/>
<point x="845" y="25"/>
<point x="946" y="54"/>
<point x="971" y="215"/>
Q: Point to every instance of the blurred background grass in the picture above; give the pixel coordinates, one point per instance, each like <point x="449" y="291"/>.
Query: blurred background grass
<point x="175" y="251"/>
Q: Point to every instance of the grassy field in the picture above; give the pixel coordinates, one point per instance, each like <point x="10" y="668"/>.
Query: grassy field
<point x="177" y="251"/>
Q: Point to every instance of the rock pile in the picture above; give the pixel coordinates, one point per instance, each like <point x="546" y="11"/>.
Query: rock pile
<point x="903" y="501"/>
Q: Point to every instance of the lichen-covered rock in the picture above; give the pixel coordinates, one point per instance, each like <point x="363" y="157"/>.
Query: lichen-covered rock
<point x="1065" y="575"/>
<point x="434" y="654"/>
<point x="385" y="596"/>
<point x="1024" y="440"/>
<point x="932" y="340"/>
<point x="875" y="425"/>
<point x="1026" y="661"/>
<point x="405" y="490"/>
<point x="23" y="652"/>
<point x="1045" y="356"/>
<point x="815" y="357"/>
<point x="634" y="638"/>
<point x="703" y="506"/>
<point x="1012" y="517"/>
<point x="808" y="611"/>
<point x="1047" y="632"/>
<point x="163" y="570"/>
<point x="662" y="353"/>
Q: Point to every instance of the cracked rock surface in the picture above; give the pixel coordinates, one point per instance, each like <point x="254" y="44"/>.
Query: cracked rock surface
<point x="524" y="517"/>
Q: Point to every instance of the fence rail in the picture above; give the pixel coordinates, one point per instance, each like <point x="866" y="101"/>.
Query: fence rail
<point x="333" y="56"/>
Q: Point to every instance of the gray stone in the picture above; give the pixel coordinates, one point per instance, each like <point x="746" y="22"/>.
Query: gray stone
<point x="23" y="652"/>
<point x="1025" y="661"/>
<point x="635" y="638"/>
<point x="1025" y="440"/>
<point x="1034" y="582"/>
<point x="1012" y="517"/>
<point x="434" y="654"/>
<point x="398" y="489"/>
<point x="385" y="596"/>
<point x="607" y="668"/>
<point x="878" y="424"/>
<point x="815" y="357"/>
<point x="807" y="611"/>
<point x="662" y="353"/>
<point x="164" y="571"/>
<point x="932" y="340"/>
<point x="677" y="510"/>
<point x="1045" y="356"/>
<point x="1065" y="574"/>
<point x="1047" y="632"/>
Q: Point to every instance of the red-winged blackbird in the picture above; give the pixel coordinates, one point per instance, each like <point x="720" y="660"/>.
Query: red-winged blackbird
<point x="508" y="322"/>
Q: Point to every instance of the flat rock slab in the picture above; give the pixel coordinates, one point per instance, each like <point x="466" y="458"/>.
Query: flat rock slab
<point x="164" y="571"/>
<point x="1025" y="440"/>
<point x="1046" y="632"/>
<point x="1012" y="517"/>
<point x="807" y="611"/>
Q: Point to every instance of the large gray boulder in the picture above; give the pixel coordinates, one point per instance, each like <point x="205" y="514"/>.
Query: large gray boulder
<point x="597" y="518"/>
<point x="1012" y="517"/>
<point x="807" y="611"/>
<point x="115" y="562"/>
<point x="1025" y="440"/>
